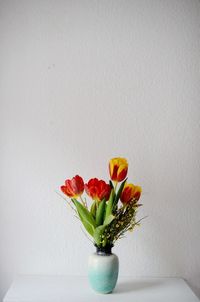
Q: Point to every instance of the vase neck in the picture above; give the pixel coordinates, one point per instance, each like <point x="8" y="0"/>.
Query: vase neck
<point x="107" y="250"/>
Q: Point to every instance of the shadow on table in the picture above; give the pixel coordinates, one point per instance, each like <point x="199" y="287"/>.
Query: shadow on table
<point x="136" y="285"/>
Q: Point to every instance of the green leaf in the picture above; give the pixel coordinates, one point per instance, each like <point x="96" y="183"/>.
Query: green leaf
<point x="89" y="228"/>
<point x="109" y="206"/>
<point x="98" y="233"/>
<point x="100" y="212"/>
<point x="120" y="191"/>
<point x="93" y="209"/>
<point x="111" y="184"/>
<point x="109" y="219"/>
<point x="86" y="217"/>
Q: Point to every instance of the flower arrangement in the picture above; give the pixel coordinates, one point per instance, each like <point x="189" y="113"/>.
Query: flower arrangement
<point x="114" y="204"/>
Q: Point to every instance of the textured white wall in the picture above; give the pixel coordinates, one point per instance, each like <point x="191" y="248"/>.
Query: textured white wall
<point x="81" y="82"/>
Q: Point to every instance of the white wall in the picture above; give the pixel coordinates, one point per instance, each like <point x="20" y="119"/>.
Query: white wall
<point x="81" y="82"/>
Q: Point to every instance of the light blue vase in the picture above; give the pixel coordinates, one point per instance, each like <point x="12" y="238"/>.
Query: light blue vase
<point x="103" y="268"/>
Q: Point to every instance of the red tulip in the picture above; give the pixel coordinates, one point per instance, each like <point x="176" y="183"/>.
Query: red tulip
<point x="129" y="193"/>
<point x="73" y="187"/>
<point x="97" y="189"/>
<point x="118" y="168"/>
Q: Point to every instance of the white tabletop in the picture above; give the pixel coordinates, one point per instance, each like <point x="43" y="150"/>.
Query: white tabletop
<point x="77" y="289"/>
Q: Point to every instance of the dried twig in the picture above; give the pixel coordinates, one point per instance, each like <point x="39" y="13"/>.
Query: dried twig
<point x="68" y="202"/>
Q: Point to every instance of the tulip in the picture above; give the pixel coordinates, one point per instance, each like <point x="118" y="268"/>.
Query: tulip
<point x="118" y="168"/>
<point x="74" y="187"/>
<point x="98" y="189"/>
<point x="130" y="192"/>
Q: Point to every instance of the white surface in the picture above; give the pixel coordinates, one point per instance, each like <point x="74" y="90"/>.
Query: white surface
<point x="76" y="289"/>
<point x="83" y="81"/>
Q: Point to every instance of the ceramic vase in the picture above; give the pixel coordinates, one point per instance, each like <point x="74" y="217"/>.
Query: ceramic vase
<point x="103" y="268"/>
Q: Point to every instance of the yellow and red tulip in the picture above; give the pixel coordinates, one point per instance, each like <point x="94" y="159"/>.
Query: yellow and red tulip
<point x="98" y="189"/>
<point x="74" y="187"/>
<point x="129" y="193"/>
<point x="118" y="168"/>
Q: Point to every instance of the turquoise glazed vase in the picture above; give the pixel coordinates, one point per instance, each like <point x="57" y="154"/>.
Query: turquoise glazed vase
<point x="103" y="268"/>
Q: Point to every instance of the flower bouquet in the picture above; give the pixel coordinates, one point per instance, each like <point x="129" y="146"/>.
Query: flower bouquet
<point x="111" y="213"/>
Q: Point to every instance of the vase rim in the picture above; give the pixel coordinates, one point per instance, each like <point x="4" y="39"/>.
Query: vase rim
<point x="106" y="250"/>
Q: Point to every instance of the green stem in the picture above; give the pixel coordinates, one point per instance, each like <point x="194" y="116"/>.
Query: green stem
<point x="115" y="186"/>
<point x="83" y="203"/>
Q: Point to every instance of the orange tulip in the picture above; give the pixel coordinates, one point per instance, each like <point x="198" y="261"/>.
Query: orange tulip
<point x="73" y="187"/>
<point x="118" y="168"/>
<point x="129" y="193"/>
